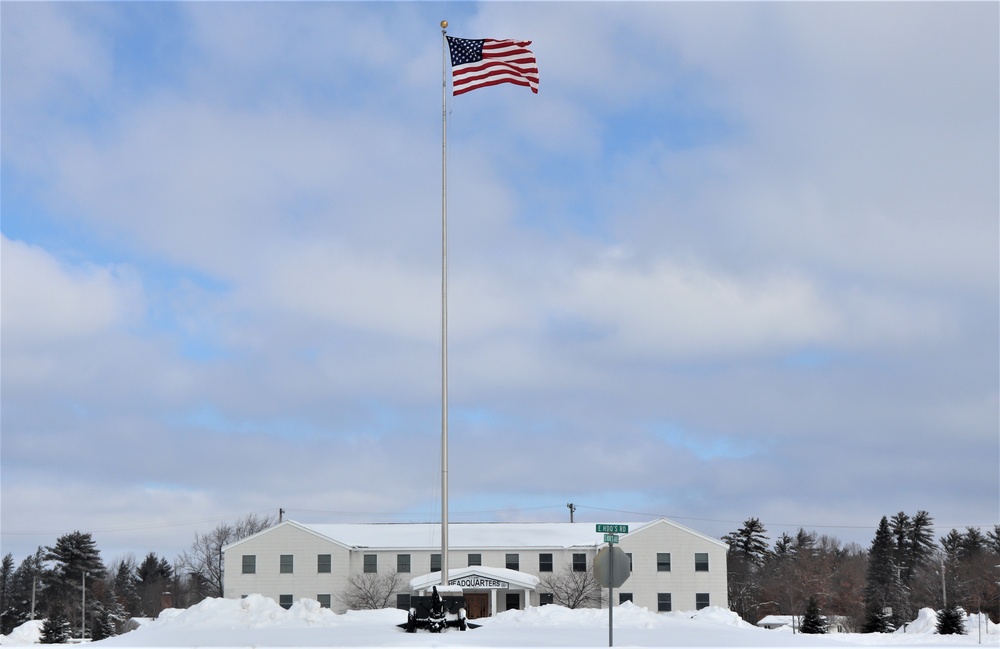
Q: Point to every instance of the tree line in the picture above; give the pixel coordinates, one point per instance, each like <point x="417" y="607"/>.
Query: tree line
<point x="69" y="586"/>
<point x="874" y="589"/>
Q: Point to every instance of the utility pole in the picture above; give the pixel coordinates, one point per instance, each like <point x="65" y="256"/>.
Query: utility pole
<point x="572" y="508"/>
<point x="83" y="608"/>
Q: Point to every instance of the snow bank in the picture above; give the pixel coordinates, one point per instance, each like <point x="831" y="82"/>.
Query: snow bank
<point x="27" y="633"/>
<point x="980" y="622"/>
<point x="258" y="612"/>
<point x="259" y="622"/>
<point x="926" y="622"/>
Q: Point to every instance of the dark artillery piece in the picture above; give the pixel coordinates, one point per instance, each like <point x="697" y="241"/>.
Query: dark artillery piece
<point x="435" y="613"/>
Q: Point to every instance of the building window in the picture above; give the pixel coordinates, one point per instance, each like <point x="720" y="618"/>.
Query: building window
<point x="631" y="568"/>
<point x="324" y="563"/>
<point x="436" y="563"/>
<point x="701" y="600"/>
<point x="249" y="564"/>
<point x="701" y="561"/>
<point x="324" y="600"/>
<point x="403" y="563"/>
<point x="475" y="560"/>
<point x="662" y="562"/>
<point x="403" y="601"/>
<point x="371" y="563"/>
<point x="286" y="564"/>
<point x="624" y="597"/>
<point x="285" y="601"/>
<point x="579" y="562"/>
<point x="513" y="601"/>
<point x="545" y="562"/>
<point x="663" y="604"/>
<point x="513" y="561"/>
<point x="546" y="598"/>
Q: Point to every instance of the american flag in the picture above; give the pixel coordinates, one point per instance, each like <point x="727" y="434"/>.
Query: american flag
<point x="477" y="63"/>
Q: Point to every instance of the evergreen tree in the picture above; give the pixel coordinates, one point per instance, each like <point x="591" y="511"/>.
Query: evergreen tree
<point x="921" y="543"/>
<point x="783" y="546"/>
<point x="876" y="621"/>
<point x="26" y="578"/>
<point x="153" y="580"/>
<point x="55" y="629"/>
<point x="972" y="543"/>
<point x="952" y="544"/>
<point x="902" y="532"/>
<point x="813" y="621"/>
<point x="123" y="583"/>
<point x="951" y="620"/>
<point x="747" y="554"/>
<point x="750" y="541"/>
<point x="804" y="545"/>
<point x="882" y="591"/>
<point x="105" y="623"/>
<point x="993" y="539"/>
<point x="75" y="555"/>
<point x="6" y="594"/>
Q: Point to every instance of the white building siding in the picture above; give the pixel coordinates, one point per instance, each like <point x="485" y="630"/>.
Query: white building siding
<point x="305" y="543"/>
<point x="683" y="582"/>
<point x="305" y="580"/>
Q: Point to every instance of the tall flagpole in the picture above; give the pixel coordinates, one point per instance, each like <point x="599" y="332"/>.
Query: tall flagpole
<point x="444" y="306"/>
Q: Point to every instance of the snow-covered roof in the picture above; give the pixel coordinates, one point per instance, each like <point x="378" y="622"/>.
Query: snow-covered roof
<point x="422" y="536"/>
<point x="786" y="620"/>
<point x="462" y="535"/>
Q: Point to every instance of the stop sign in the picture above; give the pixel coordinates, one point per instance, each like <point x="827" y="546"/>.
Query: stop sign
<point x="611" y="567"/>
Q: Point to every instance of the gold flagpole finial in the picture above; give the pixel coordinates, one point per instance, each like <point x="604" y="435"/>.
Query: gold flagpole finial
<point x="444" y="24"/>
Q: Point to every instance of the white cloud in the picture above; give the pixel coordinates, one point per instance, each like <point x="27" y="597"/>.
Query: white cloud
<point x="46" y="302"/>
<point x="684" y="312"/>
<point x="815" y="262"/>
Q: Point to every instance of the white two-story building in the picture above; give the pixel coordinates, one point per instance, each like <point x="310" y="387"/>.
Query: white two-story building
<point x="500" y="566"/>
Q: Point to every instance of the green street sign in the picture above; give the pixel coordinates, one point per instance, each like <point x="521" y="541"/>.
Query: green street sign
<point x="608" y="528"/>
<point x="611" y="538"/>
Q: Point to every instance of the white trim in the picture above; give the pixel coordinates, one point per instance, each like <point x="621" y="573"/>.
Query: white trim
<point x="651" y="524"/>
<point x="299" y="526"/>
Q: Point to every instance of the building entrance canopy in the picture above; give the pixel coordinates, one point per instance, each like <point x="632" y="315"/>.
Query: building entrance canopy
<point x="480" y="578"/>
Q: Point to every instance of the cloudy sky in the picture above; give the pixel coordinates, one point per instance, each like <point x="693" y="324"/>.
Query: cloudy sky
<point x="732" y="260"/>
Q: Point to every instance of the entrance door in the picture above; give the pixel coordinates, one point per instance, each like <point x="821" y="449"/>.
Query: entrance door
<point x="477" y="605"/>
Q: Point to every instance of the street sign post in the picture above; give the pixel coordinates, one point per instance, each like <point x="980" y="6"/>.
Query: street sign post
<point x="611" y="569"/>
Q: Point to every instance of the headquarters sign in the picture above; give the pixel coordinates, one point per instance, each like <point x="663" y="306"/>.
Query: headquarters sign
<point x="479" y="581"/>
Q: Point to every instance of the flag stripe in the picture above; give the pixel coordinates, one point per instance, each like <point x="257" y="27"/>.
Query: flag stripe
<point x="489" y="62"/>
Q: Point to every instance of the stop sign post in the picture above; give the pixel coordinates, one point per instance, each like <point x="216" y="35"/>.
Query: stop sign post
<point x="611" y="569"/>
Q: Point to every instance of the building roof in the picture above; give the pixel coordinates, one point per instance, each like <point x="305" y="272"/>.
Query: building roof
<point x="461" y="535"/>
<point x="473" y="536"/>
<point x="785" y="620"/>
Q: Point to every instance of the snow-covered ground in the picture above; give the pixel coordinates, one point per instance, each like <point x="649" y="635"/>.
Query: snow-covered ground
<point x="259" y="622"/>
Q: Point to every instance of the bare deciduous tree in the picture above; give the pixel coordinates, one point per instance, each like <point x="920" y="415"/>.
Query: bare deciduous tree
<point x="370" y="590"/>
<point x="204" y="561"/>
<point x="573" y="588"/>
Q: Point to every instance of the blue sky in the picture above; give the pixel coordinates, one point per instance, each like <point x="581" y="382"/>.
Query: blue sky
<point x="733" y="260"/>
